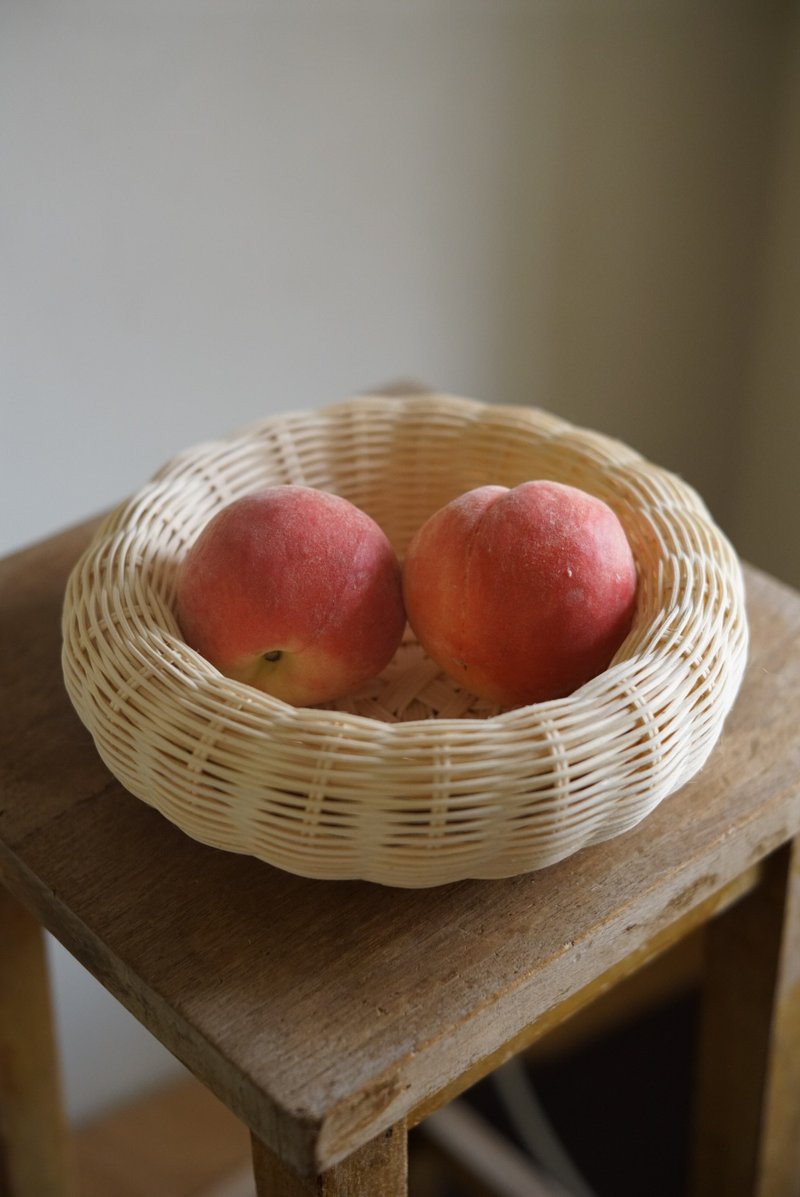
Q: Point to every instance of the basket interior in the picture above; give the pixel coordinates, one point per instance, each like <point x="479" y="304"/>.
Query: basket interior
<point x="400" y="463"/>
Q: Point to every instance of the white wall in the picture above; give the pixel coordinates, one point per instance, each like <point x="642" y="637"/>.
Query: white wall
<point x="214" y="211"/>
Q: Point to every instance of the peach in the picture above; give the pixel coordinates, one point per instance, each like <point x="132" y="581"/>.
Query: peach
<point x="295" y="591"/>
<point x="521" y="594"/>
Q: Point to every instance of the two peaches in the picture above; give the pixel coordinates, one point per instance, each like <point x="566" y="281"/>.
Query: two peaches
<point x="519" y="594"/>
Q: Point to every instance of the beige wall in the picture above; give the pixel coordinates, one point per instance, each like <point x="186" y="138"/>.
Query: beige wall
<point x="767" y="519"/>
<point x="631" y="301"/>
<point x="210" y="211"/>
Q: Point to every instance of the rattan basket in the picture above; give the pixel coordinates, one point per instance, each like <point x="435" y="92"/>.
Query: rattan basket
<point x="410" y="782"/>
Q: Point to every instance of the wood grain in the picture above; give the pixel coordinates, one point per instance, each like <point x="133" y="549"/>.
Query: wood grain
<point x="324" y="1013"/>
<point x="377" y="1167"/>
<point x="565" y="1012"/>
<point x="34" y="1156"/>
<point x="748" y="1091"/>
<point x="778" y="1170"/>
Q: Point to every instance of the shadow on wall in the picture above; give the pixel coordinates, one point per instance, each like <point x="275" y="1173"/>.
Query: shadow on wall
<point x="637" y="216"/>
<point x="769" y="492"/>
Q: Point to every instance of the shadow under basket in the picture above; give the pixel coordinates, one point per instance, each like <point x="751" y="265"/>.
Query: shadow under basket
<point x="410" y="781"/>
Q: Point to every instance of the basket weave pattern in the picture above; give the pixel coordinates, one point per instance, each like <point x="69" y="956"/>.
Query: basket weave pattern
<point x="410" y="781"/>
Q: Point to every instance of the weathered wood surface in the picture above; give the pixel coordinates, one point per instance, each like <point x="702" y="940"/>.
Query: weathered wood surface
<point x="748" y="1087"/>
<point x="35" y="1159"/>
<point x="322" y="1013"/>
<point x="576" y="1002"/>
<point x="378" y="1167"/>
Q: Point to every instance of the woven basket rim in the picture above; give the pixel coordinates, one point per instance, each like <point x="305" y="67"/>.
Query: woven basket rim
<point x="438" y="753"/>
<point x="409" y="727"/>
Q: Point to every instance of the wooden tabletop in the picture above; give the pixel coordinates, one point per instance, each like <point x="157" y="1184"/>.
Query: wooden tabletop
<point x="323" y="1012"/>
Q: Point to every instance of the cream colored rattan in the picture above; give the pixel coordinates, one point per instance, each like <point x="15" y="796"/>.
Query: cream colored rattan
<point x="410" y="782"/>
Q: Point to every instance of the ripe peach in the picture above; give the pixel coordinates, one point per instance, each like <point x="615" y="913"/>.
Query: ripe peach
<point x="521" y="595"/>
<point x="295" y="591"/>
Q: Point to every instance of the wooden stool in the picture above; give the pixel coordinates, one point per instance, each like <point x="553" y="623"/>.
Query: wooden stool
<point x="330" y="1017"/>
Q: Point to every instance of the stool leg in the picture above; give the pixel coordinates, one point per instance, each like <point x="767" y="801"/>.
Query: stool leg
<point x="379" y="1169"/>
<point x="33" y="1138"/>
<point x="748" y="1092"/>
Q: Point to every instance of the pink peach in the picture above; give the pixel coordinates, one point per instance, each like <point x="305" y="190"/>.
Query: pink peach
<point x="521" y="595"/>
<point x="295" y="591"/>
